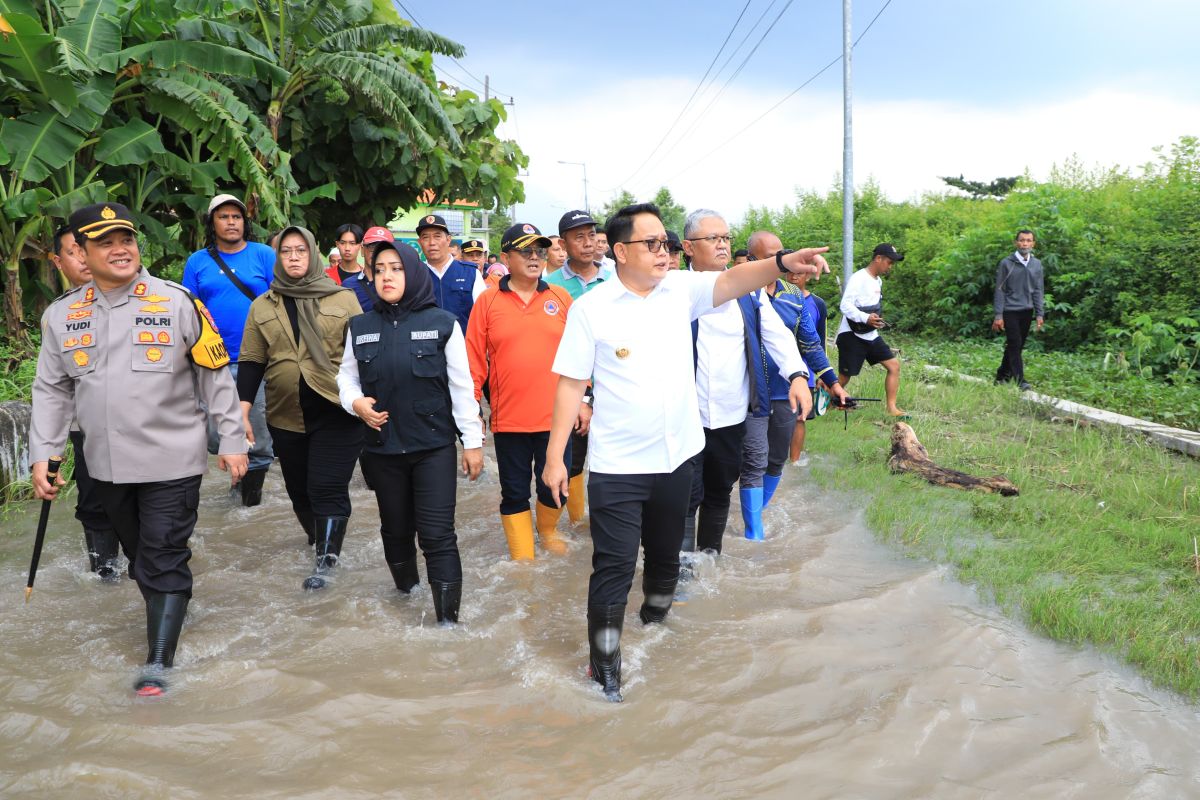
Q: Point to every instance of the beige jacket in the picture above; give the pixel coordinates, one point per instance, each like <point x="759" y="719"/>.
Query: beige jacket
<point x="268" y="339"/>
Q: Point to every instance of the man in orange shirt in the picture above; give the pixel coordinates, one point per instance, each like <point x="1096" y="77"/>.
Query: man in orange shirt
<point x="512" y="338"/>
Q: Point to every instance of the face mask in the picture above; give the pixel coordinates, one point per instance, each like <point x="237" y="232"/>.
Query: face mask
<point x="1025" y="251"/>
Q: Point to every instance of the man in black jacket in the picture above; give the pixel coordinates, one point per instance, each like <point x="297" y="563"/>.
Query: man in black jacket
<point x="1019" y="299"/>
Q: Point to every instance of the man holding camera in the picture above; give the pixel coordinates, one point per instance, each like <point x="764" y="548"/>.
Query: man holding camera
<point x="858" y="338"/>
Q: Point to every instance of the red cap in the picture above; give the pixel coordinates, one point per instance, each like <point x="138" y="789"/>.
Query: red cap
<point x="377" y="234"/>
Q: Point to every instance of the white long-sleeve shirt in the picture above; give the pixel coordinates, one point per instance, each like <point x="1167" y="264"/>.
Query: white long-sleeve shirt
<point x="722" y="380"/>
<point x="462" y="389"/>
<point x="863" y="290"/>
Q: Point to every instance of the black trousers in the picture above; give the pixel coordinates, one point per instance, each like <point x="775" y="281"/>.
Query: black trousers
<point x="153" y="522"/>
<point x="631" y="510"/>
<point x="416" y="496"/>
<point x="578" y="446"/>
<point x="521" y="457"/>
<point x="1016" y="331"/>
<point x="716" y="469"/>
<point x="88" y="509"/>
<point x="317" y="465"/>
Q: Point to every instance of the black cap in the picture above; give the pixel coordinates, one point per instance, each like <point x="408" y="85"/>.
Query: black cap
<point x="96" y="220"/>
<point x="432" y="221"/>
<point x="471" y="245"/>
<point x="574" y="219"/>
<point x="888" y="251"/>
<point x="673" y="243"/>
<point x="523" y="235"/>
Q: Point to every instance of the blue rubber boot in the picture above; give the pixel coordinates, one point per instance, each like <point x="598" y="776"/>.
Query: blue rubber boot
<point x="770" y="484"/>
<point x="752" y="505"/>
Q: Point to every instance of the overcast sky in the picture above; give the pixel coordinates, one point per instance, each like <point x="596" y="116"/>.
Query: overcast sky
<point x="984" y="88"/>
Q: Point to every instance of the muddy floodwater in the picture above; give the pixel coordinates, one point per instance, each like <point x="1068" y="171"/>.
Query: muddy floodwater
<point x="819" y="664"/>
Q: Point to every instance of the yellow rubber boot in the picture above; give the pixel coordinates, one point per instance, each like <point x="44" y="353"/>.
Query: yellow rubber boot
<point x="576" y="499"/>
<point x="547" y="525"/>
<point x="518" y="528"/>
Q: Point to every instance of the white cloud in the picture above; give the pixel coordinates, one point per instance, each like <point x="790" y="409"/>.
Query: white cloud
<point x="904" y="146"/>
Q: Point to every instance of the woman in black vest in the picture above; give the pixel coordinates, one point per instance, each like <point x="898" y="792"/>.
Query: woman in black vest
<point x="405" y="373"/>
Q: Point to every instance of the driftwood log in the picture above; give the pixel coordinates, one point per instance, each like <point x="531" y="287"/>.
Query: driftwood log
<point x="909" y="455"/>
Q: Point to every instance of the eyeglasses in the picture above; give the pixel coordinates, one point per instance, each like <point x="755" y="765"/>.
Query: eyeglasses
<point x="714" y="239"/>
<point x="288" y="252"/>
<point x="531" y="253"/>
<point x="653" y="245"/>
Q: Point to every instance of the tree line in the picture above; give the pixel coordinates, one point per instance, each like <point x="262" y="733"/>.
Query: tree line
<point x="317" y="113"/>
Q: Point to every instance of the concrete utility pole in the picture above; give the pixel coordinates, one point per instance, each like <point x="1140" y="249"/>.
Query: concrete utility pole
<point x="847" y="150"/>
<point x="486" y="83"/>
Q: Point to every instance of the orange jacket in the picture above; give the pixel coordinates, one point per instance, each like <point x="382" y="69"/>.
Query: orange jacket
<point x="512" y="345"/>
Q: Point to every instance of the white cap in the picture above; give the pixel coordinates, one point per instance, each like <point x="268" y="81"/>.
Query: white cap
<point x="222" y="199"/>
<point x="335" y="252"/>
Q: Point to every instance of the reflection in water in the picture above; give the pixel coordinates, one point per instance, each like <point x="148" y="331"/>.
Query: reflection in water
<point x="817" y="664"/>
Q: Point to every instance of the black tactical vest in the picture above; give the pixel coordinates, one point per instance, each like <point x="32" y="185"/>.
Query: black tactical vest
<point x="402" y="364"/>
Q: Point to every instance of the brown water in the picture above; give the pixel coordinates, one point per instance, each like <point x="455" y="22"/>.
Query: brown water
<point x="819" y="664"/>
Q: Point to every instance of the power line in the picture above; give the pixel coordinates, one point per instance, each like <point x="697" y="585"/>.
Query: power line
<point x="461" y="66"/>
<point x="693" y="95"/>
<point x="786" y="97"/>
<point x="741" y="66"/>
<point x="695" y="122"/>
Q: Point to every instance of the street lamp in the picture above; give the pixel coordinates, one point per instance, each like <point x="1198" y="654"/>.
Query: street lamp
<point x="581" y="164"/>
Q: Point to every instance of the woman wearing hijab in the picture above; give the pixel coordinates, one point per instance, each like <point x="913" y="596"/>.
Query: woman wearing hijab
<point x="405" y="374"/>
<point x="294" y="336"/>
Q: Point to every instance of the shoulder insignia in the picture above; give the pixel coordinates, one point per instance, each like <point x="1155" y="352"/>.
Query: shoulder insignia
<point x="209" y="350"/>
<point x="153" y="308"/>
<point x="139" y="289"/>
<point x="90" y="294"/>
<point x="80" y="358"/>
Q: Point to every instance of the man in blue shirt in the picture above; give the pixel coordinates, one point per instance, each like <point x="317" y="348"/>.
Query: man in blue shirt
<point x="227" y="275"/>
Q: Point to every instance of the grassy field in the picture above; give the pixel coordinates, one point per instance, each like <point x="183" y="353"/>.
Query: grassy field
<point x="1098" y="547"/>
<point x="1081" y="377"/>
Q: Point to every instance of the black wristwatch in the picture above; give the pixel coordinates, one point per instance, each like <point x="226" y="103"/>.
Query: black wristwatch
<point x="779" y="260"/>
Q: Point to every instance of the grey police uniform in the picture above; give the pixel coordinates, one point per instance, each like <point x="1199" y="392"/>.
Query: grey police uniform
<point x="122" y="364"/>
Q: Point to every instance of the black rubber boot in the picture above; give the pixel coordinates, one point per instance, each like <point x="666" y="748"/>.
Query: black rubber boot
<point x="405" y="575"/>
<point x="329" y="532"/>
<point x="604" y="646"/>
<point x="103" y="548"/>
<point x="252" y="483"/>
<point x="164" y="621"/>
<point x="446" y="597"/>
<point x="710" y="530"/>
<point x="659" y="594"/>
<point x="688" y="548"/>
<point x="306" y="522"/>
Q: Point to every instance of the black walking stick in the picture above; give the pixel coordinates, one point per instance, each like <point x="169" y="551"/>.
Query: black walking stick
<point x="51" y="473"/>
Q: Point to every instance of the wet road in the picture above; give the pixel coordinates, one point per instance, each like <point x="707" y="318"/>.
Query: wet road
<point x="819" y="664"/>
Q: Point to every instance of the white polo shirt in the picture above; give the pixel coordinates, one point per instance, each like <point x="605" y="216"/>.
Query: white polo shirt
<point x="863" y="290"/>
<point x="722" y="379"/>
<point x="639" y="352"/>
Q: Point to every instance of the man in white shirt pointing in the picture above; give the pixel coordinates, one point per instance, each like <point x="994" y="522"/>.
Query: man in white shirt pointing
<point x="634" y="335"/>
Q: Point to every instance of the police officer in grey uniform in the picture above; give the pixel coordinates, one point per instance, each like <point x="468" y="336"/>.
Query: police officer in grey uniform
<point x="132" y="357"/>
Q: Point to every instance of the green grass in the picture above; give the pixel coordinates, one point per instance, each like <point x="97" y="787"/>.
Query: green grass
<point x="1096" y="549"/>
<point x="1081" y="377"/>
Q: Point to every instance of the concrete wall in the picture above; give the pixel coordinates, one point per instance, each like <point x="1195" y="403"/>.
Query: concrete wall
<point x="14" y="442"/>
